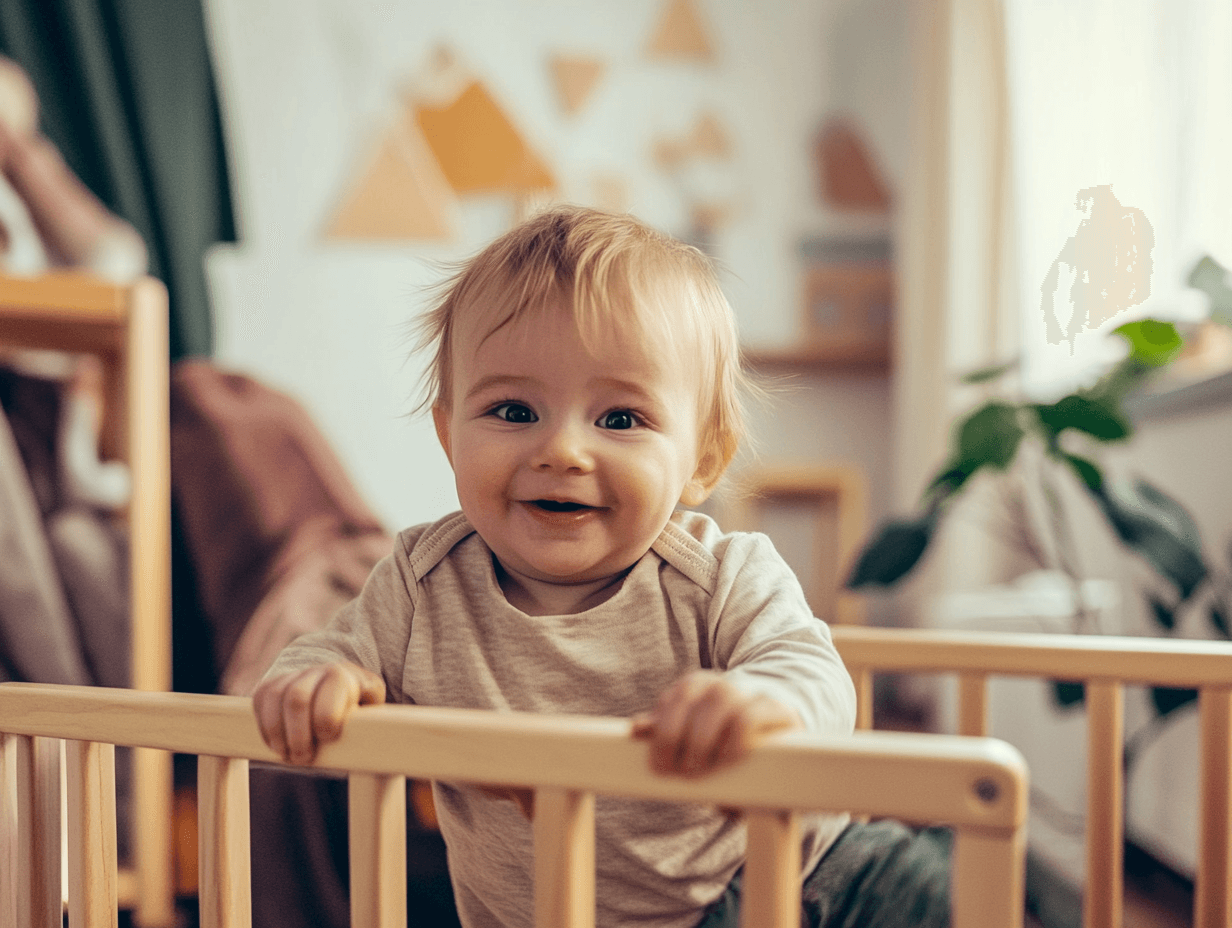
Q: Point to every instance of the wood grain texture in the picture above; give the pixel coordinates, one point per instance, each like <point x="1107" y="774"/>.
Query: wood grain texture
<point x="92" y="891"/>
<point x="770" y="894"/>
<point x="989" y="880"/>
<point x="976" y="784"/>
<point x="1105" y="844"/>
<point x="377" y="830"/>
<point x="223" y="855"/>
<point x="973" y="704"/>
<point x="126" y="328"/>
<point x="1213" y="882"/>
<point x="1153" y="661"/>
<point x="594" y="754"/>
<point x="36" y="833"/>
<point x="564" y="829"/>
<point x="1105" y="664"/>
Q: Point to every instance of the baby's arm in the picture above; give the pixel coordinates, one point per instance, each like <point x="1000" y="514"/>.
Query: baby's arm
<point x="775" y="669"/>
<point x="320" y="677"/>
<point x="703" y="722"/>
<point x="300" y="711"/>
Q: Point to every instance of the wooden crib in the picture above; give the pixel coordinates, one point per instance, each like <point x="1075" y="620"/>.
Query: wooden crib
<point x="125" y="327"/>
<point x="977" y="785"/>
<point x="1106" y="665"/>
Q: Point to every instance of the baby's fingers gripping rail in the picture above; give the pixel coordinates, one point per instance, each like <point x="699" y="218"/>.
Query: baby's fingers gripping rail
<point x="976" y="785"/>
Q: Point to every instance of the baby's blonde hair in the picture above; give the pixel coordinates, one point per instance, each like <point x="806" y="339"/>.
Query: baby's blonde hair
<point x="605" y="267"/>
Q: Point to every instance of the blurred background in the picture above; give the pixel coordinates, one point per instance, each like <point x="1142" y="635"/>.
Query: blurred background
<point x="898" y="193"/>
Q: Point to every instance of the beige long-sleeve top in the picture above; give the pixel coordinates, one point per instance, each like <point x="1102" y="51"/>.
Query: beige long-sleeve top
<point x="433" y="622"/>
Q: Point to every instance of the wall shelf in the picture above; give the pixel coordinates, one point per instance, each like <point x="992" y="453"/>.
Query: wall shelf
<point x="819" y="358"/>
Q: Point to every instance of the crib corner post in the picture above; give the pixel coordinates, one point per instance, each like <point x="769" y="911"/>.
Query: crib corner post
<point x="988" y="879"/>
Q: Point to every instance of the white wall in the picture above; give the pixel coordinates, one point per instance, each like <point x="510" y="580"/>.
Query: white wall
<point x="307" y="85"/>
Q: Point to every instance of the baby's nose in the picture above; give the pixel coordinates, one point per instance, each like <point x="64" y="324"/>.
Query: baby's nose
<point x="566" y="448"/>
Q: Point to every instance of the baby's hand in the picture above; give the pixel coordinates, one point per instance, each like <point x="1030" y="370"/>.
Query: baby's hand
<point x="300" y="711"/>
<point x="702" y="722"/>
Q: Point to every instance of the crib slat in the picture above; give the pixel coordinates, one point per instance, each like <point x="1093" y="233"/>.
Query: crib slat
<point x="1104" y="892"/>
<point x="863" y="679"/>
<point x="770" y="894"/>
<point x="973" y="704"/>
<point x="988" y="878"/>
<point x="92" y="891"/>
<point x="377" y="810"/>
<point x="8" y="831"/>
<point x="564" y="830"/>
<point x="37" y="898"/>
<point x="223" y="854"/>
<point x="1212" y="896"/>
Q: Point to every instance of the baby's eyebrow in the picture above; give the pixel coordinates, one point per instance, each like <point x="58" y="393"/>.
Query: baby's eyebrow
<point x="508" y="381"/>
<point x="627" y="386"/>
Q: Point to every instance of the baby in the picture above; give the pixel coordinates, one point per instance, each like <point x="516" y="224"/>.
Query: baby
<point x="585" y="382"/>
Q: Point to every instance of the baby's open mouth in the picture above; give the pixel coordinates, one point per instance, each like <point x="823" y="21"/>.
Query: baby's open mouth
<point x="555" y="505"/>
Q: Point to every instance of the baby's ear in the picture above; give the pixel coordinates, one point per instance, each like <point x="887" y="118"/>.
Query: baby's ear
<point x="440" y="419"/>
<point x="694" y="493"/>
<point x="704" y="479"/>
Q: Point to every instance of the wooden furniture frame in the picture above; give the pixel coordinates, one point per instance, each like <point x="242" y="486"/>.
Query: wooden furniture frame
<point x="126" y="328"/>
<point x="977" y="785"/>
<point x="1106" y="665"/>
<point x="839" y="496"/>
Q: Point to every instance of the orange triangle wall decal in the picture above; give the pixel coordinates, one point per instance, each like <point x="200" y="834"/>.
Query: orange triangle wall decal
<point x="477" y="146"/>
<point x="681" y="33"/>
<point x="575" y="79"/>
<point x="401" y="193"/>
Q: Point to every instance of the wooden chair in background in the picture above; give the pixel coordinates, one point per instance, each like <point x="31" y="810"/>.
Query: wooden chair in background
<point x="835" y="498"/>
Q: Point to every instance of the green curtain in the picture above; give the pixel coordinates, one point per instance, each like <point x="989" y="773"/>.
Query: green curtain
<point x="126" y="92"/>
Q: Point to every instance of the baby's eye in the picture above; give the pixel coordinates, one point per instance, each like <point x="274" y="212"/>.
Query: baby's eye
<point x="617" y="419"/>
<point x="514" y="412"/>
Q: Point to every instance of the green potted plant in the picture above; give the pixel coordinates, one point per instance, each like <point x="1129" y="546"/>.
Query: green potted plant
<point x="1144" y="518"/>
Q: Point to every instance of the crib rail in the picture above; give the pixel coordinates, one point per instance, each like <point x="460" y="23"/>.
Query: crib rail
<point x="1106" y="664"/>
<point x="976" y="785"/>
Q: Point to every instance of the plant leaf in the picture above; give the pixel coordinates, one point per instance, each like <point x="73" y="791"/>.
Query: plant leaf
<point x="1150" y="534"/>
<point x="1209" y="276"/>
<point x="1168" y="508"/>
<point x="1168" y="699"/>
<point x="1088" y="471"/>
<point x="948" y="482"/>
<point x="1151" y="342"/>
<point x="985" y="374"/>
<point x="1126" y="376"/>
<point x="990" y="435"/>
<point x="1067" y="693"/>
<point x="1163" y="615"/>
<point x="1099" y="420"/>
<point x="892" y="553"/>
<point x="1219" y="620"/>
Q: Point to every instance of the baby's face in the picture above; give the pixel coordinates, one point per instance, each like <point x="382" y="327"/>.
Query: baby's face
<point x="568" y="463"/>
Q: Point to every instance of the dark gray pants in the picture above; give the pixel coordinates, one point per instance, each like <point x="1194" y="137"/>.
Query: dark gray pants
<point x="875" y="875"/>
